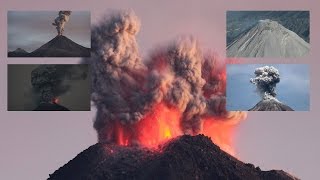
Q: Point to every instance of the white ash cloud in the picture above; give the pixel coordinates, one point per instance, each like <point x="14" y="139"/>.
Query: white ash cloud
<point x="61" y="20"/>
<point x="266" y="80"/>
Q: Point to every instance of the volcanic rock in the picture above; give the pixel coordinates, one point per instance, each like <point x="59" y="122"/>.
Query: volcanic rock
<point x="185" y="157"/>
<point x="270" y="105"/>
<point x="268" y="39"/>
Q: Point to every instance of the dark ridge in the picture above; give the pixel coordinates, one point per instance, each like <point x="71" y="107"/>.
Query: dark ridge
<point x="270" y="105"/>
<point x="50" y="107"/>
<point x="185" y="157"/>
<point x="18" y="53"/>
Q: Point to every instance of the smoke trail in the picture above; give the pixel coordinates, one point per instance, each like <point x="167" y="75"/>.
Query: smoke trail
<point x="126" y="90"/>
<point x="50" y="80"/>
<point x="266" y="80"/>
<point x="60" y="21"/>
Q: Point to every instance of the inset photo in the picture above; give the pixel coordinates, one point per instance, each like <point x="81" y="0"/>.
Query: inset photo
<point x="49" y="87"/>
<point x="275" y="87"/>
<point x="276" y="34"/>
<point x="49" y="33"/>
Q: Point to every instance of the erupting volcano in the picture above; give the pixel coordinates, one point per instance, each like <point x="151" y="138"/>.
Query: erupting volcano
<point x="178" y="90"/>
<point x="50" y="81"/>
<point x="59" y="46"/>
<point x="266" y="80"/>
<point x="150" y="113"/>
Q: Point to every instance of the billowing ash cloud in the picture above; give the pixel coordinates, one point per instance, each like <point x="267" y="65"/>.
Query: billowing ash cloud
<point x="61" y="20"/>
<point x="266" y="80"/>
<point x="50" y="81"/>
<point x="179" y="75"/>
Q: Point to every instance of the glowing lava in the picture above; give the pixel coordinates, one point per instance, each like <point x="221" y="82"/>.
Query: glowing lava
<point x="163" y="123"/>
<point x="55" y="100"/>
<point x="158" y="126"/>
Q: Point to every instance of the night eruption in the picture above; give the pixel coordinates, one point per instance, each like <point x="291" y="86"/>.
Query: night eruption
<point x="51" y="81"/>
<point x="178" y="90"/>
<point x="61" y="20"/>
<point x="266" y="80"/>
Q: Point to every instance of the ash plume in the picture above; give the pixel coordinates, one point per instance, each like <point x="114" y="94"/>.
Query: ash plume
<point x="180" y="75"/>
<point x="266" y="80"/>
<point x="50" y="81"/>
<point x="61" y="20"/>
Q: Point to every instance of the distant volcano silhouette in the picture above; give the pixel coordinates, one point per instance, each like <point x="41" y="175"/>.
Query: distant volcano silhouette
<point x="18" y="53"/>
<point x="60" y="46"/>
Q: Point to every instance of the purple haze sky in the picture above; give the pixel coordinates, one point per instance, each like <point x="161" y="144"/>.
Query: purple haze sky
<point x="34" y="144"/>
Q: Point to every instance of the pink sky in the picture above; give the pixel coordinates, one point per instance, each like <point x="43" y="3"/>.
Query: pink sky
<point x="34" y="144"/>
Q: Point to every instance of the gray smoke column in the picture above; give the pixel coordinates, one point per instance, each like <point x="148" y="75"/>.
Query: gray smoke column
<point x="50" y="81"/>
<point x="266" y="80"/>
<point x="61" y="20"/>
<point x="179" y="75"/>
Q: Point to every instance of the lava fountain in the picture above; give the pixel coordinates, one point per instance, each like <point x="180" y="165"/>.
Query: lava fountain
<point x="177" y="90"/>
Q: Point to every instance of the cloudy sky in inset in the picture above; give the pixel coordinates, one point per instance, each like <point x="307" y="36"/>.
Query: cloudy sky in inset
<point x="31" y="29"/>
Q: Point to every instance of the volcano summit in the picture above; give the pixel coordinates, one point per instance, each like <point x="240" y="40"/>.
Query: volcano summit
<point x="270" y="104"/>
<point x="185" y="157"/>
<point x="60" y="46"/>
<point x="268" y="39"/>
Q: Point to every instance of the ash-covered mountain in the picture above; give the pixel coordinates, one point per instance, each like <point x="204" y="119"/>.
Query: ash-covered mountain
<point x="60" y="46"/>
<point x="268" y="39"/>
<point x="240" y="21"/>
<point x="185" y="157"/>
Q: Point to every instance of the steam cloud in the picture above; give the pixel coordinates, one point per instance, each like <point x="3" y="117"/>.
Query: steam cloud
<point x="266" y="80"/>
<point x="61" y="20"/>
<point x="180" y="75"/>
<point x="50" y="81"/>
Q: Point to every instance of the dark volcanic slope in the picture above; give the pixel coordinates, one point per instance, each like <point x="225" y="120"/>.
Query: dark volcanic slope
<point x="270" y="105"/>
<point x="50" y="107"/>
<point x="61" y="46"/>
<point x="186" y="157"/>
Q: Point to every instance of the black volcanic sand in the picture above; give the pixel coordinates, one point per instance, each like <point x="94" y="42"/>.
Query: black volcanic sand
<point x="60" y="46"/>
<point x="185" y="157"/>
<point x="270" y="105"/>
